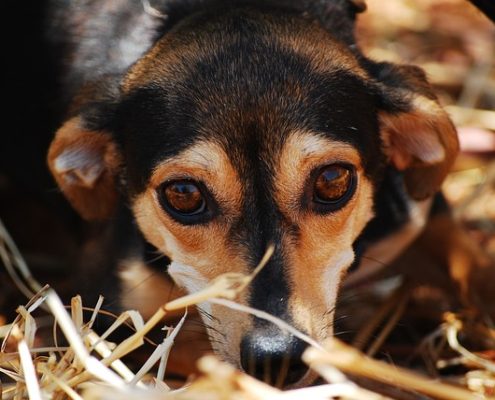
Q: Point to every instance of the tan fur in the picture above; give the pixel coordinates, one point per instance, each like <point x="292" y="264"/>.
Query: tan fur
<point x="169" y="57"/>
<point x="88" y="181"/>
<point x="324" y="246"/>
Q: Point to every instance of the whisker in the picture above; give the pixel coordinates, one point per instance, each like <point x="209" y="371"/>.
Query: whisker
<point x="197" y="322"/>
<point x="341" y="317"/>
<point x="207" y="314"/>
<point x="215" y="330"/>
<point x="199" y="332"/>
<point x="330" y="311"/>
<point x="209" y="340"/>
<point x="346" y="296"/>
<point x="159" y="256"/>
<point x="375" y="260"/>
<point x="340" y="333"/>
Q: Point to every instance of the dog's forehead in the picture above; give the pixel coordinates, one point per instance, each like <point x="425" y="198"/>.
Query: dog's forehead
<point x="245" y="80"/>
<point x="215" y="38"/>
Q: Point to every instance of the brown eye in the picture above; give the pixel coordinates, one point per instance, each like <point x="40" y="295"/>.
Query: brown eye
<point x="334" y="184"/>
<point x="183" y="197"/>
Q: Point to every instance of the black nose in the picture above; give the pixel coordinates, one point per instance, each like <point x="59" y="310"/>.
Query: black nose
<point x="273" y="357"/>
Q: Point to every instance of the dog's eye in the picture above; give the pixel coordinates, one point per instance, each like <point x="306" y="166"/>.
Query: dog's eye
<point x="334" y="184"/>
<point x="183" y="197"/>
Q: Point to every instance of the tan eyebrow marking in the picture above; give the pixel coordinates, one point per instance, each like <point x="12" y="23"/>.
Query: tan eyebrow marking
<point x="302" y="152"/>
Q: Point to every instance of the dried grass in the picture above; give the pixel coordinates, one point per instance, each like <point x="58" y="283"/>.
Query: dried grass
<point x="90" y="367"/>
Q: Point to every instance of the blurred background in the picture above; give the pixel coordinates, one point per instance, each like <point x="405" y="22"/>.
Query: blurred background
<point x="455" y="44"/>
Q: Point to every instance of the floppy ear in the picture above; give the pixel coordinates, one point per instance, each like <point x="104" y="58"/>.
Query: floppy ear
<point x="418" y="135"/>
<point x="85" y="164"/>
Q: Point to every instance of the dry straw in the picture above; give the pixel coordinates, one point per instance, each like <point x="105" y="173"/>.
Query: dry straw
<point x="92" y="368"/>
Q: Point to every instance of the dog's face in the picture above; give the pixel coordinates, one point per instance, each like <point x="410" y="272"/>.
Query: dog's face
<point x="250" y="128"/>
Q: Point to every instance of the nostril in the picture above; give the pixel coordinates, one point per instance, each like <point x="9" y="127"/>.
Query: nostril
<point x="274" y="359"/>
<point x="248" y="359"/>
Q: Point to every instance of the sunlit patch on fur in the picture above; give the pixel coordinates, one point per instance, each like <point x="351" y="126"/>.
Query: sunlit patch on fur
<point x="421" y="142"/>
<point x="190" y="279"/>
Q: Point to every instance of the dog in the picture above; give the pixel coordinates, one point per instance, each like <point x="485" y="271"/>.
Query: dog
<point x="202" y="132"/>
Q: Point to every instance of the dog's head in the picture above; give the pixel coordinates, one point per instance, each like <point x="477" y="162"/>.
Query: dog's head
<point x="244" y="126"/>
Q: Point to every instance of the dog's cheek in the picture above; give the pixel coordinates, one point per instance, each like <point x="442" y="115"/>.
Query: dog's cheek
<point x="190" y="279"/>
<point x="312" y="305"/>
<point x="147" y="219"/>
<point x="200" y="247"/>
<point x="198" y="257"/>
<point x="333" y="276"/>
<point x="320" y="260"/>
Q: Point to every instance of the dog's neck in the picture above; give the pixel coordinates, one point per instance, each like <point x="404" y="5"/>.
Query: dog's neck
<point x="398" y="221"/>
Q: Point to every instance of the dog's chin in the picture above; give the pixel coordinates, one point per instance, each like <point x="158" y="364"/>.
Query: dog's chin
<point x="307" y="380"/>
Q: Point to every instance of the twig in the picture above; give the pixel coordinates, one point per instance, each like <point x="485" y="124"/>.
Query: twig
<point x="363" y="336"/>
<point x="385" y="332"/>
<point x="28" y="370"/>
<point x="16" y="260"/>
<point x="351" y="360"/>
<point x="452" y="328"/>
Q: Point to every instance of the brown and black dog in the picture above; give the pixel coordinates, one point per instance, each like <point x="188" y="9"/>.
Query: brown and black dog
<point x="207" y="130"/>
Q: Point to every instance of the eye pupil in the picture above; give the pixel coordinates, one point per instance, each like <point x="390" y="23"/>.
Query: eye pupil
<point x="184" y="197"/>
<point x="332" y="184"/>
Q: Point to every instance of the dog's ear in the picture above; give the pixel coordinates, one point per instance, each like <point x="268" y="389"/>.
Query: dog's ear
<point x="419" y="137"/>
<point x="85" y="164"/>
